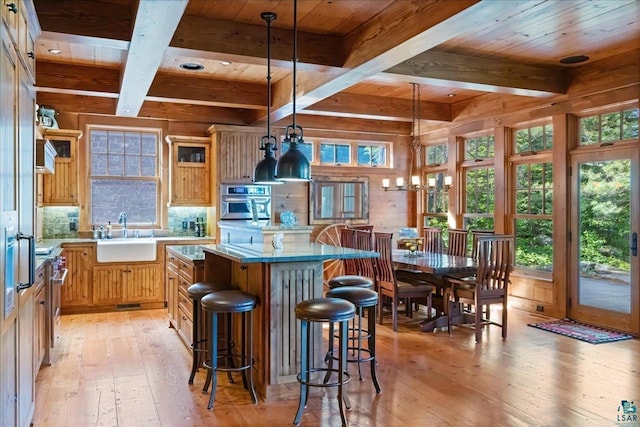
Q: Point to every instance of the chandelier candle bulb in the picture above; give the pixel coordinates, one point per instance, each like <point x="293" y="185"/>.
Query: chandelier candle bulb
<point x="399" y="182"/>
<point x="432" y="182"/>
<point x="385" y="183"/>
<point x="415" y="180"/>
<point x="448" y="180"/>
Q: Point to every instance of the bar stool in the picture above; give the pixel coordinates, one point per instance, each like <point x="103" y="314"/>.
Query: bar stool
<point x="332" y="310"/>
<point x="362" y="299"/>
<point x="230" y="302"/>
<point x="198" y="338"/>
<point x="351" y="280"/>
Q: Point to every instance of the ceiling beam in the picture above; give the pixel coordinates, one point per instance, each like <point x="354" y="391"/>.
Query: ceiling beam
<point x="490" y="75"/>
<point x="380" y="108"/>
<point x="81" y="104"/>
<point x="235" y="41"/>
<point x="401" y="32"/>
<point x="154" y="26"/>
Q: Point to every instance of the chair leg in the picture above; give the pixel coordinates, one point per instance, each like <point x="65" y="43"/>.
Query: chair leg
<point x="252" y="389"/>
<point x="214" y="359"/>
<point x="195" y="338"/>
<point x="329" y="357"/>
<point x="371" y="326"/>
<point x="394" y="314"/>
<point x="478" y="325"/>
<point x="343" y="399"/>
<point x="304" y="374"/>
<point x="504" y="319"/>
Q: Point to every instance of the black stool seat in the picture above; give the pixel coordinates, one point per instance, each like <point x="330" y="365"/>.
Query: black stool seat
<point x="351" y="280"/>
<point x="200" y="289"/>
<point x="360" y="297"/>
<point x="325" y="310"/>
<point x="229" y="301"/>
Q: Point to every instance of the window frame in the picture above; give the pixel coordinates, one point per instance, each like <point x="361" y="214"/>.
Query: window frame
<point x="157" y="178"/>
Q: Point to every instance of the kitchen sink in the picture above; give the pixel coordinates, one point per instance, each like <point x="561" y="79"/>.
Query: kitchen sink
<point x="126" y="250"/>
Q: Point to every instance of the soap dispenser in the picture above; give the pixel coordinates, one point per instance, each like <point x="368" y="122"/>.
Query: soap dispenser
<point x="95" y="232"/>
<point x="109" y="235"/>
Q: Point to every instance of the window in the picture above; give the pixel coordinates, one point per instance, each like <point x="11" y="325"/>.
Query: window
<point x="534" y="139"/>
<point x="479" y="198"/>
<point x="479" y="148"/>
<point x="436" y="155"/>
<point x="609" y="127"/>
<point x="533" y="212"/>
<point x="438" y="195"/>
<point x="372" y="155"/>
<point x="333" y="153"/>
<point x="123" y="175"/>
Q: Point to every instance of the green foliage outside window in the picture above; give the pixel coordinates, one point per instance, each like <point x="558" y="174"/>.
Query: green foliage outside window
<point x="480" y="185"/>
<point x="372" y="155"/>
<point x="610" y="127"/>
<point x="534" y="189"/>
<point x="534" y="243"/>
<point x="535" y="139"/>
<point x="479" y="148"/>
<point x="436" y="154"/>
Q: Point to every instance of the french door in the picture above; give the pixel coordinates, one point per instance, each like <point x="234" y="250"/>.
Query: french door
<point x="604" y="285"/>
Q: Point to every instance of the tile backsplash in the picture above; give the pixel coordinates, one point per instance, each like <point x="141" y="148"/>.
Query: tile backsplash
<point x="59" y="222"/>
<point x="179" y="217"/>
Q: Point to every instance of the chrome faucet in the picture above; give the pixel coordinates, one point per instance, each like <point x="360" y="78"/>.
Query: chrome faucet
<point x="123" y="220"/>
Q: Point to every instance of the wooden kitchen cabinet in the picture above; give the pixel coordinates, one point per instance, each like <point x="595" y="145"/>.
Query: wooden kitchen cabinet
<point x="75" y="292"/>
<point x="127" y="285"/>
<point x="61" y="188"/>
<point x="190" y="170"/>
<point x="238" y="151"/>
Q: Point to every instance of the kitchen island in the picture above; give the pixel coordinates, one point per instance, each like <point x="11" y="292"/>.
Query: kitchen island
<point x="279" y="278"/>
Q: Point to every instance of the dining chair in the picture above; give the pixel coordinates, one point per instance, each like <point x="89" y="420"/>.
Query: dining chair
<point x="474" y="240"/>
<point x="387" y="284"/>
<point x="347" y="241"/>
<point x="490" y="284"/>
<point x="432" y="239"/>
<point x="363" y="240"/>
<point x="457" y="245"/>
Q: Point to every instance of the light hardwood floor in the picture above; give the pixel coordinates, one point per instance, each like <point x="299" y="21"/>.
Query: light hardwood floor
<point x="129" y="369"/>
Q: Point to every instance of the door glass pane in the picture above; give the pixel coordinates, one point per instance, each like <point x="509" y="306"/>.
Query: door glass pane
<point x="604" y="229"/>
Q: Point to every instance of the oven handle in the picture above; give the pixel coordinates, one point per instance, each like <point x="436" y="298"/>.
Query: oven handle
<point x="60" y="276"/>
<point x="32" y="260"/>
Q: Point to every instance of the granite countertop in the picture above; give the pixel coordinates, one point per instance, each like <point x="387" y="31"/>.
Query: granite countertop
<point x="264" y="226"/>
<point x="191" y="252"/>
<point x="246" y="253"/>
<point x="57" y="242"/>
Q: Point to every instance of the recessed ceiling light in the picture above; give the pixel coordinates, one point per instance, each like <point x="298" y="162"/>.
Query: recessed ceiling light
<point x="574" y="59"/>
<point x="55" y="51"/>
<point x="191" y="66"/>
<point x="225" y="63"/>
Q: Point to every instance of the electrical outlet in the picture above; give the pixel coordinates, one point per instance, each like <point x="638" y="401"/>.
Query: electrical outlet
<point x="540" y="308"/>
<point x="73" y="226"/>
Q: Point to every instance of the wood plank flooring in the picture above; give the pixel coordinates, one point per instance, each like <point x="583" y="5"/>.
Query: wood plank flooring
<point x="130" y="369"/>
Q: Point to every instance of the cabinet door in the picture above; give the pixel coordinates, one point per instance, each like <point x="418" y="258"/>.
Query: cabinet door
<point x="75" y="291"/>
<point x="40" y="330"/>
<point x="143" y="283"/>
<point x="108" y="284"/>
<point x="61" y="188"/>
<point x="239" y="155"/>
<point x="190" y="174"/>
<point x="26" y="380"/>
<point x="172" y="295"/>
<point x="8" y="375"/>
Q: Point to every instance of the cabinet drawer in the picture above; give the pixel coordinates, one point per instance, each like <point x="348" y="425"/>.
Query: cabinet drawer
<point x="185" y="304"/>
<point x="173" y="262"/>
<point x="183" y="285"/>
<point x="187" y="271"/>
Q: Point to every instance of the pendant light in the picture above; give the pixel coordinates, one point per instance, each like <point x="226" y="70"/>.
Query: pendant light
<point x="266" y="169"/>
<point x="293" y="165"/>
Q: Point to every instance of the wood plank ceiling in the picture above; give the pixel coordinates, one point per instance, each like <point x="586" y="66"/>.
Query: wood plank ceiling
<point x="356" y="58"/>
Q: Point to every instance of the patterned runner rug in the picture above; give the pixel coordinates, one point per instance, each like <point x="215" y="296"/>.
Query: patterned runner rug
<point x="580" y="331"/>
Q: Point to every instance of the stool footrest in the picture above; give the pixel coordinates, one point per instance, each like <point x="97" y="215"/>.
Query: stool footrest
<point x="345" y="374"/>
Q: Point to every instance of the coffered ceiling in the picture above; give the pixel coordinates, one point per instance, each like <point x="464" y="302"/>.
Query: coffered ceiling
<point x="356" y="58"/>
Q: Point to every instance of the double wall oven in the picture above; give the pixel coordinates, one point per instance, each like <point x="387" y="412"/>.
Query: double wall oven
<point x="245" y="202"/>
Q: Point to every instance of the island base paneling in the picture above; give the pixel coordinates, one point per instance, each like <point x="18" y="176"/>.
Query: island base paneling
<point x="278" y="288"/>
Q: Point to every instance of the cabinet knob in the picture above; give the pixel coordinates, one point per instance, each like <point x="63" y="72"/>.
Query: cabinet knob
<point x="43" y="302"/>
<point x="243" y="267"/>
<point x="12" y="7"/>
<point x="31" y="55"/>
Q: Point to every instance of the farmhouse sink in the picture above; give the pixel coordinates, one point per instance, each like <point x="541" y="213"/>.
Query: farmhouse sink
<point x="126" y="250"/>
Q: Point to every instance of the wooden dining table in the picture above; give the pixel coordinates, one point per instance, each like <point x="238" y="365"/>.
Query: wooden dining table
<point x="435" y="266"/>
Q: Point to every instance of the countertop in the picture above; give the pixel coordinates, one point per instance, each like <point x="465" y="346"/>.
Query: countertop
<point x="264" y="226"/>
<point x="191" y="252"/>
<point x="246" y="253"/>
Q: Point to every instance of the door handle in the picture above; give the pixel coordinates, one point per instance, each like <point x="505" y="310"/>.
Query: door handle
<point x="32" y="260"/>
<point x="634" y="244"/>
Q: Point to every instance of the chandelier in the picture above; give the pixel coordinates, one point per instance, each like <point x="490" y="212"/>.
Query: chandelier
<point x="414" y="182"/>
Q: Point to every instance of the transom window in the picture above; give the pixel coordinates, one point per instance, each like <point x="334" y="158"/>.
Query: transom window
<point x="609" y="127"/>
<point x="344" y="152"/>
<point x="372" y="155"/>
<point x="481" y="147"/>
<point x="123" y="175"/>
<point x="534" y="139"/>
<point x="436" y="155"/>
<point x="335" y="153"/>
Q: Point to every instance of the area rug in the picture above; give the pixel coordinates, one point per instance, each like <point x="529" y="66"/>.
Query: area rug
<point x="580" y="331"/>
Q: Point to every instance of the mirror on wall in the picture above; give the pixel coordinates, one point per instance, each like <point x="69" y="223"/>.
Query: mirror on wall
<point x="339" y="199"/>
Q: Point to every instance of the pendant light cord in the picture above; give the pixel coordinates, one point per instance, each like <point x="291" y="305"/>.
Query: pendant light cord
<point x="295" y="57"/>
